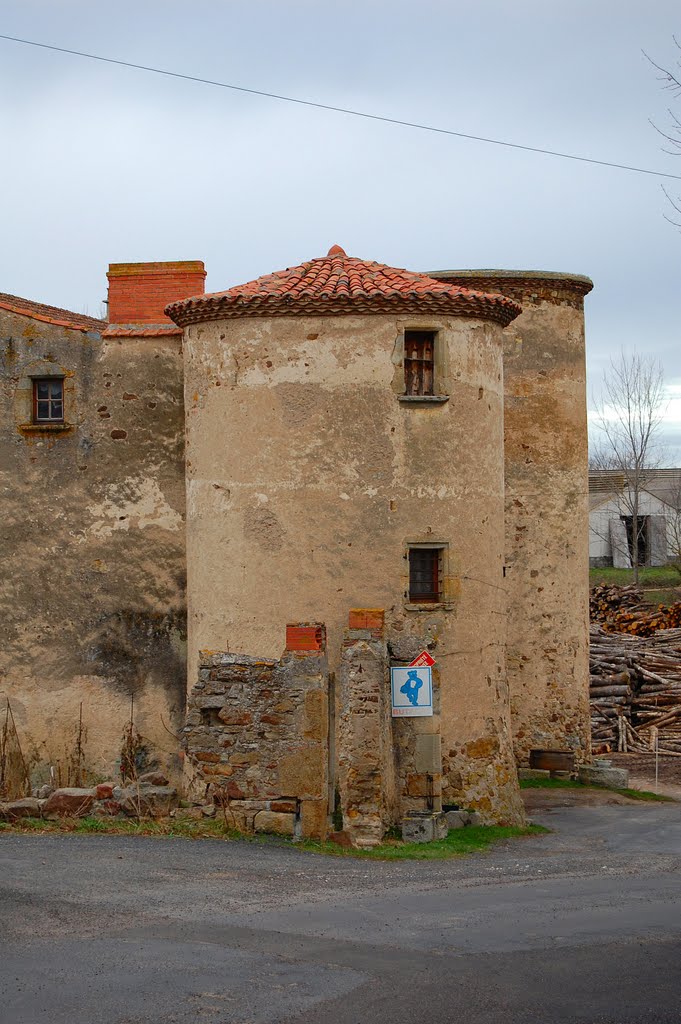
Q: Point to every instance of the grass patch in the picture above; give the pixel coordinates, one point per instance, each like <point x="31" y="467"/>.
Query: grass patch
<point x="644" y="794"/>
<point x="633" y="794"/>
<point x="656" y="576"/>
<point x="665" y="597"/>
<point x="178" y="828"/>
<point x="551" y="784"/>
<point x="471" y="839"/>
<point x="459" y="842"/>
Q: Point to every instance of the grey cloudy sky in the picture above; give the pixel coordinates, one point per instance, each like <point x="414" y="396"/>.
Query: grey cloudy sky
<point x="105" y="164"/>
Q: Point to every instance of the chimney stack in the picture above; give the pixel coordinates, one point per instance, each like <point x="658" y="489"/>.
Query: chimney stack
<point x="139" y="292"/>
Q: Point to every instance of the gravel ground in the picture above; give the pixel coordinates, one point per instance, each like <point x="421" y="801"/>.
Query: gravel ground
<point x="581" y="925"/>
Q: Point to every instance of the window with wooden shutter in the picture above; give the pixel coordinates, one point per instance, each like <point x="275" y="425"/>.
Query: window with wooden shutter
<point x="425" y="575"/>
<point x="419" y="355"/>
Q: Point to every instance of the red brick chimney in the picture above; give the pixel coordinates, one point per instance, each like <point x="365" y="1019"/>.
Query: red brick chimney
<point x="139" y="292"/>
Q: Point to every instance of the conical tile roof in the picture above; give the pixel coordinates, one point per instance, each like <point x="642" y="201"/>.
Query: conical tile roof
<point x="338" y="285"/>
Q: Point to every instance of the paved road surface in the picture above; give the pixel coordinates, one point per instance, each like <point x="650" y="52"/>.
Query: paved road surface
<point x="582" y="926"/>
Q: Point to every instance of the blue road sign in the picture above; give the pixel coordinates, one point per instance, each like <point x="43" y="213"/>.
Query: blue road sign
<point x="412" y="692"/>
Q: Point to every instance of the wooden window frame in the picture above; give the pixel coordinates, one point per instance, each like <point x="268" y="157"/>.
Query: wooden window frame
<point x="435" y="571"/>
<point x="419" y="363"/>
<point x="50" y="400"/>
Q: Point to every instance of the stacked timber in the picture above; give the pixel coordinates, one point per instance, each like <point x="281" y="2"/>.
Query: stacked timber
<point x="610" y="686"/>
<point x="623" y="610"/>
<point x="607" y="600"/>
<point x="635" y="690"/>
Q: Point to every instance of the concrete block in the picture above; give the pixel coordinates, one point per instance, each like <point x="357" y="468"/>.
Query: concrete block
<point x="533" y="773"/>
<point x="424" y="826"/>
<point x="272" y="821"/>
<point x="427" y="755"/>
<point x="597" y="775"/>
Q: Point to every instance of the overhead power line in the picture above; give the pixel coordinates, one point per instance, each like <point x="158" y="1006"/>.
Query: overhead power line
<point x="344" y="110"/>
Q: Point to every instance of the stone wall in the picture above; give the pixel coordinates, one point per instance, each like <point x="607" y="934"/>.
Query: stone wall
<point x="257" y="735"/>
<point x="92" y="610"/>
<point x="366" y="763"/>
<point x="546" y="516"/>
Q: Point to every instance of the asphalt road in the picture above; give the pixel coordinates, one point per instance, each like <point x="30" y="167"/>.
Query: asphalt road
<point x="580" y="926"/>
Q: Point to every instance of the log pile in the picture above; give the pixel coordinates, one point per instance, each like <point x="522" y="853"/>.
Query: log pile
<point x="635" y="690"/>
<point x="623" y="610"/>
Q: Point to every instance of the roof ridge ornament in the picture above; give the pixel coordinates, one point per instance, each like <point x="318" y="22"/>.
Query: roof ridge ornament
<point x="336" y="250"/>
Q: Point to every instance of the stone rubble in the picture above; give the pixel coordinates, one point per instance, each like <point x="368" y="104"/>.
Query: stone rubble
<point x="135" y="800"/>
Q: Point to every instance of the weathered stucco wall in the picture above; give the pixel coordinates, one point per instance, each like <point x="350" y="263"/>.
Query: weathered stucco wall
<point x="547" y="535"/>
<point x="92" y="536"/>
<point x="306" y="480"/>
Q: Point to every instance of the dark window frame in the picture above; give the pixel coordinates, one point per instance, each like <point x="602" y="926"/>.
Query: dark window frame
<point x="419" y="363"/>
<point x="48" y="407"/>
<point x="426" y="573"/>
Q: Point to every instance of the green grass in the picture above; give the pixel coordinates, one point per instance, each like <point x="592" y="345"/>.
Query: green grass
<point x="459" y="842"/>
<point x="633" y="794"/>
<point x="665" y="597"/>
<point x="657" y="576"/>
<point x="184" y="828"/>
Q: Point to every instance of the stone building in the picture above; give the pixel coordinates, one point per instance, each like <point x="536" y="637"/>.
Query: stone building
<point x="376" y="463"/>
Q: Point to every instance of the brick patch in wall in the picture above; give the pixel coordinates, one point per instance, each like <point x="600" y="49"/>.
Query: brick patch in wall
<point x="305" y="637"/>
<point x="366" y="618"/>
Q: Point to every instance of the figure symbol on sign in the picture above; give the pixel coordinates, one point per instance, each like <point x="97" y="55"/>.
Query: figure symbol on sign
<point x="412" y="686"/>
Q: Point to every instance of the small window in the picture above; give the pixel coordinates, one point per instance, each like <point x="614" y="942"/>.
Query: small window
<point x="419" y="349"/>
<point x="425" y="575"/>
<point x="48" y="400"/>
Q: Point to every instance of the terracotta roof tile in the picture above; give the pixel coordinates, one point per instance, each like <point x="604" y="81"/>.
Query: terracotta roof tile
<point x="50" y="314"/>
<point x="338" y="284"/>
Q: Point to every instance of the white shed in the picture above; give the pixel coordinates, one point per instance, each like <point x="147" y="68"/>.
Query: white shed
<point x="610" y="519"/>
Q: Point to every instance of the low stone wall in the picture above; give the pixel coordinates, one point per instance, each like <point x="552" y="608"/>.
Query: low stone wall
<point x="366" y="765"/>
<point x="257" y="734"/>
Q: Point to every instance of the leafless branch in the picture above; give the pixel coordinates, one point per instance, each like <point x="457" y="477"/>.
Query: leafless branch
<point x="671" y="80"/>
<point x="629" y="414"/>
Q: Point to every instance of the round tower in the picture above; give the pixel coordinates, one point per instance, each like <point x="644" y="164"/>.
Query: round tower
<point x="547" y="541"/>
<point x="345" y="450"/>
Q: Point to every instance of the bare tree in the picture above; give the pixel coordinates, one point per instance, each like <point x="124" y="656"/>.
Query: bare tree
<point x="629" y="414"/>
<point x="671" y="81"/>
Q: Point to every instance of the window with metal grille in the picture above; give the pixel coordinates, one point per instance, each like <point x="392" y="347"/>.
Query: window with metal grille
<point x="48" y="400"/>
<point x="425" y="575"/>
<point x="419" y="349"/>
